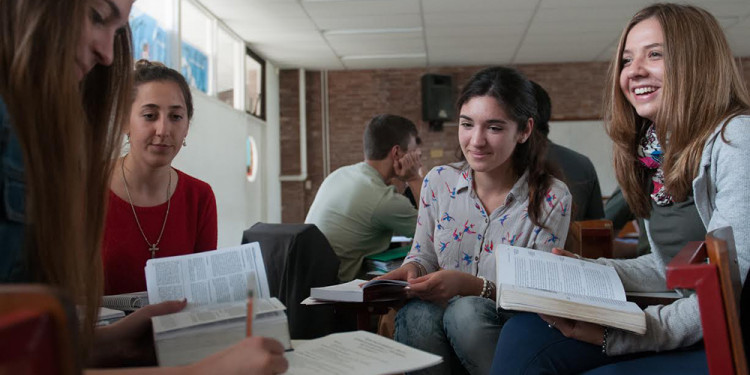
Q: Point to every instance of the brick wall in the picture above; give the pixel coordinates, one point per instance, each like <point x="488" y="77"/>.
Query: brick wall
<point x="356" y="96"/>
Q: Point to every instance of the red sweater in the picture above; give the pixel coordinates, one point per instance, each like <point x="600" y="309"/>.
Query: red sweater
<point x="191" y="228"/>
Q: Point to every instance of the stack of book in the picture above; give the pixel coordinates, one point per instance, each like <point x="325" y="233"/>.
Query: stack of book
<point x="387" y="261"/>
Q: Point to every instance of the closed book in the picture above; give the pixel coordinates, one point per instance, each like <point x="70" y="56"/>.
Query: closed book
<point x="126" y="302"/>
<point x="362" y="291"/>
<point x="391" y="254"/>
<point x="187" y="337"/>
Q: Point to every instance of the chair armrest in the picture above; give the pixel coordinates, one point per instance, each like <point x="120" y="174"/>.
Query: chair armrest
<point x="689" y="270"/>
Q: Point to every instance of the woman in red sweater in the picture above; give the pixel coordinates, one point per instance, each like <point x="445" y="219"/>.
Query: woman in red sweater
<point x="155" y="210"/>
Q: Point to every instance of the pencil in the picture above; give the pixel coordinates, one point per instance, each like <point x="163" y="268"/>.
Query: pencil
<point x="250" y="295"/>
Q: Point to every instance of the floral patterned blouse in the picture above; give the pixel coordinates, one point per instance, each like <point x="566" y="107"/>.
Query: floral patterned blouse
<point x="455" y="232"/>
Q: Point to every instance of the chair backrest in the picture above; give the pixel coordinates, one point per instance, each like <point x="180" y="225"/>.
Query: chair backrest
<point x="591" y="238"/>
<point x="717" y="285"/>
<point x="298" y="257"/>
<point x="36" y="336"/>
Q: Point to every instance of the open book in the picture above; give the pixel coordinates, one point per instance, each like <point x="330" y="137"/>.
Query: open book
<point x="215" y="284"/>
<point x="373" y="290"/>
<point x="540" y="282"/>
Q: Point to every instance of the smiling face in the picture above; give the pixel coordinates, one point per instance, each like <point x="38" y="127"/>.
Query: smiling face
<point x="96" y="46"/>
<point x="642" y="74"/>
<point x="158" y="123"/>
<point x="488" y="136"/>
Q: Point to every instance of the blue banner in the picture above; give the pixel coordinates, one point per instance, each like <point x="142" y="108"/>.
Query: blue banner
<point x="194" y="67"/>
<point x="149" y="40"/>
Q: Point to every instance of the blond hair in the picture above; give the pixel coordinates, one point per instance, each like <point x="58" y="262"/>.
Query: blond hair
<point x="702" y="87"/>
<point x="69" y="133"/>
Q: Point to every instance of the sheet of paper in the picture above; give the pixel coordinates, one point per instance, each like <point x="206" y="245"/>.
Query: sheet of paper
<point x="547" y="271"/>
<point x="211" y="277"/>
<point x="358" y="352"/>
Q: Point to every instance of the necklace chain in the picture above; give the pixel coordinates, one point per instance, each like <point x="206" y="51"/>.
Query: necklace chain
<point x="153" y="248"/>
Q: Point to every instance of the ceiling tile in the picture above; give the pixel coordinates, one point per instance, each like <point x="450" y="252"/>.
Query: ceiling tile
<point x="376" y="44"/>
<point x="386" y="63"/>
<point x="381" y="21"/>
<point x="455" y="32"/>
<point x="318" y="9"/>
<point x="478" y="6"/>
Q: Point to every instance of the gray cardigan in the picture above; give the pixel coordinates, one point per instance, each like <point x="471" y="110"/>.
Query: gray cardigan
<point x="721" y="196"/>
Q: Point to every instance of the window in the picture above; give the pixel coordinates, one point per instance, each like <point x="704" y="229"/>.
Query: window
<point x="196" y="45"/>
<point x="226" y="63"/>
<point x="151" y="21"/>
<point x="251" y="158"/>
<point x="255" y="88"/>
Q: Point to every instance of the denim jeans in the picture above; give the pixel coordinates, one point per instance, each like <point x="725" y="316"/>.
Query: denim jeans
<point x="464" y="333"/>
<point x="528" y="346"/>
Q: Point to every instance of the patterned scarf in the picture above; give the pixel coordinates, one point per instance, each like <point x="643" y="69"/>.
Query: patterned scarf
<point x="650" y="155"/>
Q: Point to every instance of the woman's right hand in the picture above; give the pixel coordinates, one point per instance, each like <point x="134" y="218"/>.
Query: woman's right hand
<point x="406" y="272"/>
<point x="253" y="355"/>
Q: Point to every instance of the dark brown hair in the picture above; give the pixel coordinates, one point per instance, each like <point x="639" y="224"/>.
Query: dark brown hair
<point x="385" y="131"/>
<point x="152" y="71"/>
<point x="515" y="94"/>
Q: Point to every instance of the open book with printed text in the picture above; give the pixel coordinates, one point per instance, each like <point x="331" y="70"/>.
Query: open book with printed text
<point x="215" y="284"/>
<point x="541" y="282"/>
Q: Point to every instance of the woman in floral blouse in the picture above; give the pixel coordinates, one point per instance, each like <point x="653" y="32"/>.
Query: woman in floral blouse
<point x="502" y="193"/>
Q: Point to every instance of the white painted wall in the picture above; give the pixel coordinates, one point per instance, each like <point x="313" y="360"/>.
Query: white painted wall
<point x="588" y="138"/>
<point x="216" y="154"/>
<point x="272" y="161"/>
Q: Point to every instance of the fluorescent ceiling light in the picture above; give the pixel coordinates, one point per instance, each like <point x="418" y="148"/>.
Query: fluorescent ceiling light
<point x="399" y="30"/>
<point x="391" y="56"/>
<point x="334" y="1"/>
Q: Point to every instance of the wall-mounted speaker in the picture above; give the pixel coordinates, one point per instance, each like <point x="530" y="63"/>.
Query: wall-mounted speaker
<point x="437" y="100"/>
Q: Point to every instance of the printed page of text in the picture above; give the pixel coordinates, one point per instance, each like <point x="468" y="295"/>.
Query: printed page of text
<point x="546" y="271"/>
<point x="218" y="276"/>
<point x="358" y="352"/>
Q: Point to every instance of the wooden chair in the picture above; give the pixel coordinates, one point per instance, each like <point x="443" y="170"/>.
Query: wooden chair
<point x="591" y="238"/>
<point x="36" y="336"/>
<point x="717" y="285"/>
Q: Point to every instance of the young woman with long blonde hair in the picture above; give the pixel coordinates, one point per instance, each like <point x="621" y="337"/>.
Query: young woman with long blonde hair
<point x="65" y="88"/>
<point x="678" y="112"/>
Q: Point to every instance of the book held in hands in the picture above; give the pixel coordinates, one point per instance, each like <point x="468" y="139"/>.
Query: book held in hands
<point x="541" y="282"/>
<point x="361" y="291"/>
<point x="215" y="284"/>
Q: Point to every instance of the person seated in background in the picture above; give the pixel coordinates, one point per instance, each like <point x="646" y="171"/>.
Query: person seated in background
<point x="356" y="209"/>
<point x="65" y="86"/>
<point x="155" y="210"/>
<point x="402" y="187"/>
<point x="617" y="210"/>
<point x="679" y="122"/>
<point x="577" y="170"/>
<point x="502" y="192"/>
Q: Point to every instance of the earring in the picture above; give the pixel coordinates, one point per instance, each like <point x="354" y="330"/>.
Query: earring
<point x="184" y="142"/>
<point x="127" y="138"/>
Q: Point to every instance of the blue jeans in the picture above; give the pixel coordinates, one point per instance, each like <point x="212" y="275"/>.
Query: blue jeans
<point x="463" y="333"/>
<point x="528" y="346"/>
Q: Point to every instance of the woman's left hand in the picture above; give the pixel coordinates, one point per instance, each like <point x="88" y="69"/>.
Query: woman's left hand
<point x="443" y="285"/>
<point x="581" y="331"/>
<point x="130" y="340"/>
